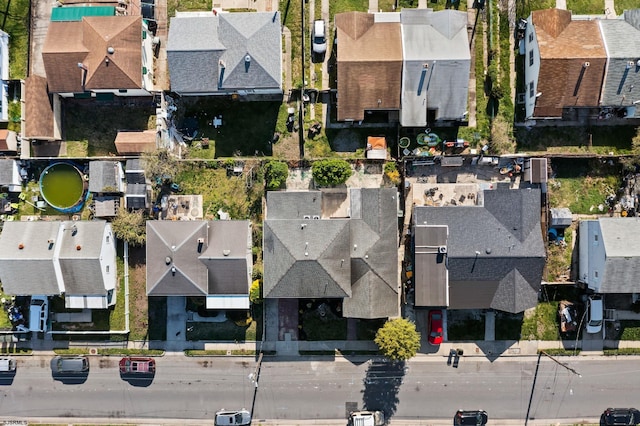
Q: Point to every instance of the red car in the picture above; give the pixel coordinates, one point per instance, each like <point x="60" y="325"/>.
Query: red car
<point x="435" y="327"/>
<point x="137" y="365"/>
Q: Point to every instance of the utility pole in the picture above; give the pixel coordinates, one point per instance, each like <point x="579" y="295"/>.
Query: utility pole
<point x="535" y="376"/>
<point x="301" y="105"/>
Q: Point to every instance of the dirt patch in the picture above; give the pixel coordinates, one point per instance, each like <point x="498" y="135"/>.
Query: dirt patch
<point x="287" y="147"/>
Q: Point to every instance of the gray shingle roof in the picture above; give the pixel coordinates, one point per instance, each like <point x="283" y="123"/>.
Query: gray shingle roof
<point x="216" y="62"/>
<point x="30" y="269"/>
<point x="293" y="204"/>
<point x="8" y="172"/>
<point x="196" y="249"/>
<point x="104" y="176"/>
<point x="495" y="252"/>
<point x="440" y="40"/>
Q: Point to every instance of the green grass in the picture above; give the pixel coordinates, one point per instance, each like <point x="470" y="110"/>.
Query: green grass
<point x="17" y="28"/>
<point x="542" y="324"/>
<point x="292" y="20"/>
<point x="323" y="328"/>
<point x="597" y="140"/>
<point x="586" y="7"/>
<point x="15" y="350"/>
<point x="630" y="330"/>
<point x="222" y="331"/>
<point x="621" y="351"/>
<point x="5" y="324"/>
<point x="466" y="330"/>
<point x="94" y="126"/>
<point x="109" y="351"/>
<point x="581" y="194"/>
<point x="186" y="5"/>
<point x="157" y="318"/>
<point x="218" y="352"/>
<point x="559" y="258"/>
<point x="561" y="352"/>
<point x="622" y="5"/>
<point x="508" y="327"/>
<point x="367" y="329"/>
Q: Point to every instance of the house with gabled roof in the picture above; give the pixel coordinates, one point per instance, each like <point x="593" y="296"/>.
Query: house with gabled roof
<point x="565" y="62"/>
<point x="436" y="67"/>
<point x="314" y="251"/>
<point x="369" y="51"/>
<point x="609" y="255"/>
<point x="621" y="88"/>
<point x="76" y="259"/>
<point x="99" y="56"/>
<point x="211" y="259"/>
<point x="225" y="53"/>
<point x="485" y="256"/>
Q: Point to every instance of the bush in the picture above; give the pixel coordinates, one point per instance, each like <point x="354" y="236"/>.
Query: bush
<point x="275" y="175"/>
<point x="255" y="292"/>
<point x="331" y="172"/>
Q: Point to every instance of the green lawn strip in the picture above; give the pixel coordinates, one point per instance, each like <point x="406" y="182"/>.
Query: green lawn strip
<point x="15" y="350"/>
<point x="292" y="20"/>
<point x="469" y="329"/>
<point x="187" y="5"/>
<point x="542" y="323"/>
<point x="157" y="318"/>
<point x="630" y="330"/>
<point x="139" y="320"/>
<point x="559" y="258"/>
<point x="5" y="324"/>
<point x="621" y="351"/>
<point x="506" y="103"/>
<point x="560" y="352"/>
<point x="582" y="194"/>
<point x="622" y="5"/>
<point x="17" y="27"/>
<point x="508" y="326"/>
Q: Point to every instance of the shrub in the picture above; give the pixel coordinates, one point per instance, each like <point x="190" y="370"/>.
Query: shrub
<point x="275" y="174"/>
<point x="255" y="292"/>
<point x="331" y="172"/>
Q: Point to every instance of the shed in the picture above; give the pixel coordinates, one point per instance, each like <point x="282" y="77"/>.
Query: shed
<point x="560" y="217"/>
<point x="535" y="170"/>
<point x="136" y="142"/>
<point x="377" y="147"/>
<point x="106" y="206"/>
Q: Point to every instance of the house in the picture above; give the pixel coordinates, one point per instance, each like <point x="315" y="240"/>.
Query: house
<point x="609" y="255"/>
<point x="231" y="54"/>
<point x="436" y="66"/>
<point x="99" y="56"/>
<point x="138" y="191"/>
<point x="211" y="259"/>
<point x="334" y="245"/>
<point x="4" y="76"/>
<point x="136" y="142"/>
<point x="565" y="63"/>
<point x="76" y="259"/>
<point x="485" y="256"/>
<point x="10" y="175"/>
<point x="621" y="88"/>
<point x="106" y="177"/>
<point x="369" y="52"/>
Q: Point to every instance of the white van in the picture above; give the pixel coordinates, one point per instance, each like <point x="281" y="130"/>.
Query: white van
<point x="38" y="313"/>
<point x="595" y="315"/>
<point x="7" y="365"/>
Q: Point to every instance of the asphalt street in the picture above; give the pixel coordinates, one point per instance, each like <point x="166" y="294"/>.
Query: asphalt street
<point x="421" y="392"/>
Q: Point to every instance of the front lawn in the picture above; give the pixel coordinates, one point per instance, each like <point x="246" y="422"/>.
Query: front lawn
<point x="465" y="325"/>
<point x="540" y="323"/>
<point x="630" y="330"/>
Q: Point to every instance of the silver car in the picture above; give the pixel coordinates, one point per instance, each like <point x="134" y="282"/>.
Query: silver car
<point x="319" y="37"/>
<point x="228" y="418"/>
<point x="70" y="365"/>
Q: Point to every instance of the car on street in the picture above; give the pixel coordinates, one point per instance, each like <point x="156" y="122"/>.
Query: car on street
<point x="435" y="327"/>
<point x="137" y="365"/>
<point x="470" y="417"/>
<point x="366" y="418"/>
<point x="319" y="37"/>
<point x="228" y="418"/>
<point x="620" y="416"/>
<point x="70" y="365"/>
<point x="7" y="365"/>
<point x="595" y="314"/>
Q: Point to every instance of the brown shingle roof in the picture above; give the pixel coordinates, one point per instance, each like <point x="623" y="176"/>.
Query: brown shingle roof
<point x="565" y="47"/>
<point x="135" y="142"/>
<point x="87" y="42"/>
<point x="369" y="53"/>
<point x="38" y="116"/>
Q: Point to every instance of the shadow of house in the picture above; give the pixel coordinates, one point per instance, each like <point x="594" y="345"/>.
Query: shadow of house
<point x="382" y="385"/>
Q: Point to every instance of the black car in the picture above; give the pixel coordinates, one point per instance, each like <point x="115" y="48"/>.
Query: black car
<point x="470" y="417"/>
<point x="620" y="416"/>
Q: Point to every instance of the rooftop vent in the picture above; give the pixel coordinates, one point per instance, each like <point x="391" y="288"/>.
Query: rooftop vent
<point x="247" y="58"/>
<point x="78" y="247"/>
<point x="20" y="246"/>
<point x="110" y="50"/>
<point x="167" y="260"/>
<point x="442" y="249"/>
<point x="586" y="65"/>
<point x="226" y="252"/>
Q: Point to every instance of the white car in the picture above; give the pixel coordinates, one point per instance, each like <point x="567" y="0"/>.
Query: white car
<point x="38" y="314"/>
<point x="319" y="37"/>
<point x="595" y="314"/>
<point x="228" y="418"/>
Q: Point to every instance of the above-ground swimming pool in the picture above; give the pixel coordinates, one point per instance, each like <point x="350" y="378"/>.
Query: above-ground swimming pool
<point x="62" y="185"/>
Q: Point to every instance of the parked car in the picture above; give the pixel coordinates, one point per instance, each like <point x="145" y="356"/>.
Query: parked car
<point x="38" y="313"/>
<point x="227" y="418"/>
<point x="63" y="364"/>
<point x="595" y="314"/>
<point x="319" y="37"/>
<point x="620" y="416"/>
<point x="470" y="417"/>
<point x="366" y="418"/>
<point x="7" y="365"/>
<point x="435" y="327"/>
<point x="137" y="365"/>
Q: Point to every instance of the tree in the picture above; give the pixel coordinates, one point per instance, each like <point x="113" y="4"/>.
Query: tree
<point x="331" y="172"/>
<point x="160" y="164"/>
<point x="255" y="292"/>
<point x="398" y="339"/>
<point x="275" y="174"/>
<point x="130" y="227"/>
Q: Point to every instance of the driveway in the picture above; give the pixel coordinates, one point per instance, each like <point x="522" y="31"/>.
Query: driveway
<point x="40" y="18"/>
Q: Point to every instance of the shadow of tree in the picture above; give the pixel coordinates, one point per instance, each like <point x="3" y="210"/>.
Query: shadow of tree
<point x="381" y="386"/>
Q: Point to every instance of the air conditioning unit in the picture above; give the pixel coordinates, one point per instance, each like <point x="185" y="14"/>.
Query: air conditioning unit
<point x="521" y="98"/>
<point x="442" y="249"/>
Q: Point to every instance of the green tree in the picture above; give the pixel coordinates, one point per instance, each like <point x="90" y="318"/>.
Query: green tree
<point x="275" y="174"/>
<point x="130" y="227"/>
<point x="331" y="172"/>
<point x="398" y="339"/>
